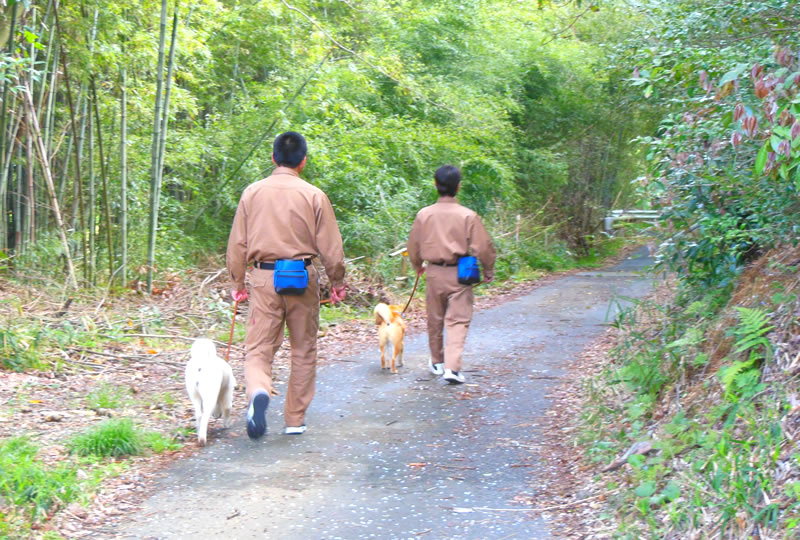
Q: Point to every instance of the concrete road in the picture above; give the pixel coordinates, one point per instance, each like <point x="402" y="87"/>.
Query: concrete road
<point x="401" y="456"/>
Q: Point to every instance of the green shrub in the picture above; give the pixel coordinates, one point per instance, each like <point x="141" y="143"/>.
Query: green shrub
<point x="28" y="484"/>
<point x="19" y="350"/>
<point x="119" y="438"/>
<point x="112" y="438"/>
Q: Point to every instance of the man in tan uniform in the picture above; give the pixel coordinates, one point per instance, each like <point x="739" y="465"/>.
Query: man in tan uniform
<point x="442" y="233"/>
<point x="283" y="217"/>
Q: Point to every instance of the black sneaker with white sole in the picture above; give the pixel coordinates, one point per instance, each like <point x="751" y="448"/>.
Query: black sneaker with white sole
<point x="453" y="377"/>
<point x="257" y="414"/>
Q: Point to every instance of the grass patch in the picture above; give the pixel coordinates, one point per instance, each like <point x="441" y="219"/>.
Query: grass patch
<point x="106" y="397"/>
<point x="112" y="438"/>
<point x="30" y="486"/>
<point x="119" y="438"/>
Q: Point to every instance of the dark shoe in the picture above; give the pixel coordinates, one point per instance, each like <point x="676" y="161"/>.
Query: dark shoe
<point x="436" y="369"/>
<point x="257" y="414"/>
<point x="453" y="377"/>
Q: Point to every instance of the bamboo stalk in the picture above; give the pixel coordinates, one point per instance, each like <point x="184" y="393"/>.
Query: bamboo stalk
<point x="30" y="232"/>
<point x="70" y="102"/>
<point x="123" y="164"/>
<point x="92" y="206"/>
<point x="4" y="106"/>
<point x="34" y="128"/>
<point x="103" y="176"/>
<point x="6" y="176"/>
<point x="154" y="159"/>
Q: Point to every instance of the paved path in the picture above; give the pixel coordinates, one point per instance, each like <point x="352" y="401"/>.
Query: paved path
<point x="400" y="456"/>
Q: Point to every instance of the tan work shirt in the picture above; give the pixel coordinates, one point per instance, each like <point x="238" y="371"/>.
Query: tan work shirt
<point x="445" y="231"/>
<point x="284" y="217"/>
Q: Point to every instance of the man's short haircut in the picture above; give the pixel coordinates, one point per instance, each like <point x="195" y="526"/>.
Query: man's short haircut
<point x="289" y="149"/>
<point x="447" y="179"/>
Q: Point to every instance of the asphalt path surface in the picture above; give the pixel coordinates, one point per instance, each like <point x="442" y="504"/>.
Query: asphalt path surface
<point x="406" y="455"/>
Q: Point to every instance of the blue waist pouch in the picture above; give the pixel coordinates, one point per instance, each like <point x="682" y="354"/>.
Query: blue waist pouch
<point x="469" y="272"/>
<point x="290" y="277"/>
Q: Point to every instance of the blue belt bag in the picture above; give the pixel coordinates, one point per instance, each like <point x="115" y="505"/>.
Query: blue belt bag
<point x="291" y="277"/>
<point x="469" y="272"/>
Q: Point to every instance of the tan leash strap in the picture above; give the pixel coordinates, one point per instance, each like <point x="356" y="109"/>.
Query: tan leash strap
<point x="416" y="281"/>
<point x="233" y="325"/>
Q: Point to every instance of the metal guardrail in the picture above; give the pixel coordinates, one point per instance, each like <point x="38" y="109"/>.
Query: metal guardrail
<point x="628" y="215"/>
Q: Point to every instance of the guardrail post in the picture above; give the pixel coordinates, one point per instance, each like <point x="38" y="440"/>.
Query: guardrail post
<point x="608" y="225"/>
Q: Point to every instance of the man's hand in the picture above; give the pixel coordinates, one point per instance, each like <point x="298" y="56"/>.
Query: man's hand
<point x="239" y="296"/>
<point x="338" y="294"/>
<point x="421" y="270"/>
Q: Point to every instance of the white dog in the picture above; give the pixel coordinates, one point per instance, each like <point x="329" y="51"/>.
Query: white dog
<point x="210" y="384"/>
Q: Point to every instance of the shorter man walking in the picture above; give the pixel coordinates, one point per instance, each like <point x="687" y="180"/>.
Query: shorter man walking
<point x="282" y="222"/>
<point x="441" y="234"/>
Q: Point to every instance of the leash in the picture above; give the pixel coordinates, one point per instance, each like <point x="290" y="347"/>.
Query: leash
<point x="416" y="281"/>
<point x="233" y="324"/>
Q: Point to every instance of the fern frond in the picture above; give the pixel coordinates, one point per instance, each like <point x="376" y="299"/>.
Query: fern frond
<point x="753" y="325"/>
<point x="728" y="374"/>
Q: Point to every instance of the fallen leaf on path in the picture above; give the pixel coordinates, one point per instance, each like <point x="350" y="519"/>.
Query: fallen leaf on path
<point x="418" y="464"/>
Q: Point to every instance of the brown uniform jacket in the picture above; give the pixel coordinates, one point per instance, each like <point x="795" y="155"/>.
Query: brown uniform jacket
<point x="445" y="231"/>
<point x="284" y="217"/>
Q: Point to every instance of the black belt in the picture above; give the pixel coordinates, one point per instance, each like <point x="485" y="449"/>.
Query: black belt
<point x="271" y="265"/>
<point x="444" y="263"/>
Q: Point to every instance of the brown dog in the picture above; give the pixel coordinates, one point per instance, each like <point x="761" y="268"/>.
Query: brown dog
<point x="391" y="328"/>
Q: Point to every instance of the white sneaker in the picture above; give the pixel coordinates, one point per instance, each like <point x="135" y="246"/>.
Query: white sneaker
<point x="436" y="369"/>
<point x="294" y="430"/>
<point x="453" y="377"/>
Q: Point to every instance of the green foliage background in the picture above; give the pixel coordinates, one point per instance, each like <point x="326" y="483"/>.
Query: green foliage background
<point x="519" y="95"/>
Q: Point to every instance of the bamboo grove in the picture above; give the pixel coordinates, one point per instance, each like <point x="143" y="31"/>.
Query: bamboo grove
<point x="128" y="129"/>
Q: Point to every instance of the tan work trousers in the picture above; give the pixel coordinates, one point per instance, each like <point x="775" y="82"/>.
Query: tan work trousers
<point x="449" y="305"/>
<point x="265" y="319"/>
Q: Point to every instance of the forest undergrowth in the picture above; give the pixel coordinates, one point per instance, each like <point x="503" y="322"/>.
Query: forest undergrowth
<point x="687" y="424"/>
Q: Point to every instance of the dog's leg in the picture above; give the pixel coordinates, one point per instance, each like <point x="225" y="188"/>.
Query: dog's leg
<point x="226" y="404"/>
<point x="202" y="427"/>
<point x="383" y="358"/>
<point x="394" y="357"/>
<point x="399" y="349"/>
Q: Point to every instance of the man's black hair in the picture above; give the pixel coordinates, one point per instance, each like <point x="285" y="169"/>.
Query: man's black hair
<point x="289" y="149"/>
<point x="447" y="179"/>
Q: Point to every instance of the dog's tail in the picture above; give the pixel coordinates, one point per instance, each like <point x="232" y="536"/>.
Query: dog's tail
<point x="383" y="314"/>
<point x="203" y="348"/>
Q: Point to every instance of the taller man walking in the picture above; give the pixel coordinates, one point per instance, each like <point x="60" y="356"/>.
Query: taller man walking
<point x="283" y="222"/>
